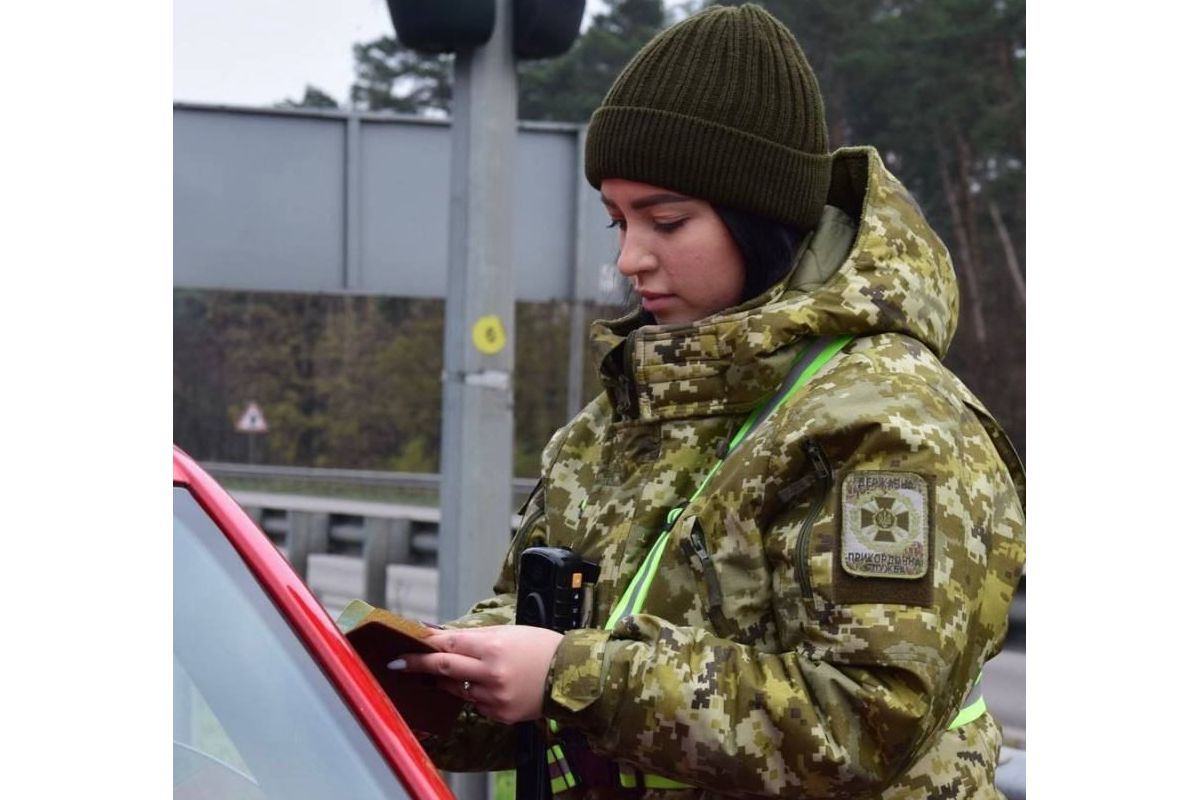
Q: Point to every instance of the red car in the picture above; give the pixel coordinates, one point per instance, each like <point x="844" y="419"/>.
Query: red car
<point x="270" y="701"/>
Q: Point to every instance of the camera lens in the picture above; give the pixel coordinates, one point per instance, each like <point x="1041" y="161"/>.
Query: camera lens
<point x="538" y="572"/>
<point x="532" y="611"/>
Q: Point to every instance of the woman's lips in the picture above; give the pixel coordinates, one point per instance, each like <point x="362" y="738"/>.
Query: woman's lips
<point x="653" y="301"/>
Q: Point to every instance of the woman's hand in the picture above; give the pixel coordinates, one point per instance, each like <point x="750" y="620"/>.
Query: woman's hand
<point x="506" y="666"/>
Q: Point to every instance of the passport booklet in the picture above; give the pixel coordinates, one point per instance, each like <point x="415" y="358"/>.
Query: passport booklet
<point x="379" y="637"/>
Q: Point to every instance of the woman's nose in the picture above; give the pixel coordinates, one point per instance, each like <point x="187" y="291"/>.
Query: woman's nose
<point x="634" y="258"/>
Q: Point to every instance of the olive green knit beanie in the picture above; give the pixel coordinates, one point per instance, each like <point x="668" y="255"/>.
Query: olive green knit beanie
<point x="722" y="106"/>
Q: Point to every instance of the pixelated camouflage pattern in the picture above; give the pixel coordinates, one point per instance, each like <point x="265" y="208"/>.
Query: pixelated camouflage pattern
<point x="766" y="671"/>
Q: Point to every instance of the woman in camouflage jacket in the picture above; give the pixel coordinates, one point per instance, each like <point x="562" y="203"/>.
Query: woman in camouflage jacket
<point x="821" y="609"/>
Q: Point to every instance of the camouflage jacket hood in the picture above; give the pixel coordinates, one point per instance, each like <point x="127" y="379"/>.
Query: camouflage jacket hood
<point x="775" y="653"/>
<point x="890" y="273"/>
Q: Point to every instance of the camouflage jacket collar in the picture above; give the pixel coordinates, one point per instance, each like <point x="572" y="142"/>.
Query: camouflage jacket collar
<point x="895" y="276"/>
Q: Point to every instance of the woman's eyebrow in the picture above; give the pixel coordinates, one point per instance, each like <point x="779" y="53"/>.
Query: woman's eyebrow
<point x="656" y="199"/>
<point x="649" y="200"/>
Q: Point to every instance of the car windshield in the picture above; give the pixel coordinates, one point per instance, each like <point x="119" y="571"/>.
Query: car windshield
<point x="254" y="716"/>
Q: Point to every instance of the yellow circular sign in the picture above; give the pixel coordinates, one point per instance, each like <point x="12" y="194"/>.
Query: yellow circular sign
<point x="488" y="334"/>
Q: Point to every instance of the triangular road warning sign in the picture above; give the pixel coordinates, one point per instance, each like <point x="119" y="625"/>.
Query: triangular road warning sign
<point x="252" y="420"/>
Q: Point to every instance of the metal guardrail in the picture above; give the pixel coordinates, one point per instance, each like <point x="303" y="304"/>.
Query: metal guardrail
<point x="380" y="534"/>
<point x="429" y="482"/>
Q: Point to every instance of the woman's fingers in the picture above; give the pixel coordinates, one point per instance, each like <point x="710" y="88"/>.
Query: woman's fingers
<point x="458" y="655"/>
<point x="506" y="666"/>
<point x="452" y="666"/>
<point x="481" y="694"/>
<point x="450" y="670"/>
<point x="473" y="642"/>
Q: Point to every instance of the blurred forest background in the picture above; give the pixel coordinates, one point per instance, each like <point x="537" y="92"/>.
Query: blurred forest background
<point x="938" y="86"/>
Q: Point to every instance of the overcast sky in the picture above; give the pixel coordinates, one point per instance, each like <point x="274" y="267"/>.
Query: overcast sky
<point x="258" y="52"/>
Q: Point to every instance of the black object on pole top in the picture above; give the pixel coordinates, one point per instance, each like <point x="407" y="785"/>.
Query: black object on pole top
<point x="541" y="28"/>
<point x="442" y="26"/>
<point x="545" y="28"/>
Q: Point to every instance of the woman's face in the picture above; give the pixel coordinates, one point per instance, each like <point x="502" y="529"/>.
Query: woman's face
<point x="675" y="250"/>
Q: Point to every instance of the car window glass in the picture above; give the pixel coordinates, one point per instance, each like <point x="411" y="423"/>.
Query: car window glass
<point x="255" y="717"/>
<point x="197" y="726"/>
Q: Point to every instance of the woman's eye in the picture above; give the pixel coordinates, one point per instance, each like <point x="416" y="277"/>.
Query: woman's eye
<point x="616" y="223"/>
<point x="667" y="227"/>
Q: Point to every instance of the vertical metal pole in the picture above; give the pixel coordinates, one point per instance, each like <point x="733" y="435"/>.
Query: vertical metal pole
<point x="477" y="421"/>
<point x="579" y="277"/>
<point x="352" y="219"/>
<point x="385" y="541"/>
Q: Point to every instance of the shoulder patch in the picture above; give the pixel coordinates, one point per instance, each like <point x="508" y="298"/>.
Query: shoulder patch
<point x="885" y="525"/>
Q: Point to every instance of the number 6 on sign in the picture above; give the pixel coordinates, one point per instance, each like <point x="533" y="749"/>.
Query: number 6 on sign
<point x="488" y="334"/>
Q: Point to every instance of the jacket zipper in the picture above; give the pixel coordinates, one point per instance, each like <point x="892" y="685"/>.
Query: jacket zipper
<point x="825" y="477"/>
<point x="693" y="546"/>
<point x="625" y="379"/>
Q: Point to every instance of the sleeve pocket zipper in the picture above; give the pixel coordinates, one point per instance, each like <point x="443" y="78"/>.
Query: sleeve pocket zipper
<point x="824" y="476"/>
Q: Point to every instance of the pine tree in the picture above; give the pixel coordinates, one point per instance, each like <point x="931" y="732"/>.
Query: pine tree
<point x="312" y="98"/>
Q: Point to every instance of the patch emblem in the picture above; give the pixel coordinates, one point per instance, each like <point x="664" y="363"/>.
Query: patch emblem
<point x="885" y="524"/>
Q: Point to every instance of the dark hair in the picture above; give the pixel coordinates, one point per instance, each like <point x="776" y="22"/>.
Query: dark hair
<point x="768" y="247"/>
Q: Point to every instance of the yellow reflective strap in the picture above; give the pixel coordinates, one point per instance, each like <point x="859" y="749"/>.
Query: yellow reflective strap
<point x="561" y="777"/>
<point x="562" y="781"/>
<point x="829" y="351"/>
<point x="552" y="725"/>
<point x="635" y="594"/>
<point x="504" y="785"/>
<point x="814" y="356"/>
<point x="703" y="483"/>
<point x="757" y="413"/>
<point x="629" y="780"/>
<point x="973" y="710"/>
<point x="968" y="714"/>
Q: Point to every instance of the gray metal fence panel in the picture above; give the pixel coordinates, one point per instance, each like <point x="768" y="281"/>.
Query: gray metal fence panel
<point x="544" y="214"/>
<point x="329" y="201"/>
<point x="258" y="201"/>
<point x="406" y="197"/>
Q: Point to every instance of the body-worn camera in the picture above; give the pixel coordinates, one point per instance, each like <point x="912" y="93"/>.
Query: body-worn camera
<point x="554" y="589"/>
